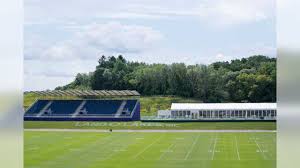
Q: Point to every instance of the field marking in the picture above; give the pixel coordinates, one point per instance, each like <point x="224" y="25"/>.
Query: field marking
<point x="106" y="141"/>
<point x="195" y="155"/>
<point x="147" y="147"/>
<point x="122" y="148"/>
<point x="142" y="130"/>
<point x="213" y="154"/>
<point x="166" y="151"/>
<point x="237" y="149"/>
<point x="110" y="145"/>
<point x="261" y="151"/>
<point x="192" y="147"/>
<point x="269" y="152"/>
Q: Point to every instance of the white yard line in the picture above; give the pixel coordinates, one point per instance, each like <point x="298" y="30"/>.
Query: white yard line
<point x="213" y="154"/>
<point x="146" y="130"/>
<point x="237" y="149"/>
<point x="123" y="147"/>
<point x="147" y="147"/>
<point x="163" y="154"/>
<point x="261" y="151"/>
<point x="192" y="147"/>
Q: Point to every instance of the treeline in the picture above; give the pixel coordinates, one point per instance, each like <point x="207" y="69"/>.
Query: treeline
<point x="250" y="79"/>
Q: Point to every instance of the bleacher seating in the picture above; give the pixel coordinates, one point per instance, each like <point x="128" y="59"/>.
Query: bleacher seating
<point x="73" y="109"/>
<point x="64" y="107"/>
<point x="96" y="107"/>
<point x="36" y="107"/>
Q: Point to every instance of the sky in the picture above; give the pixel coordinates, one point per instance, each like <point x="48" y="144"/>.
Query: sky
<point x="63" y="38"/>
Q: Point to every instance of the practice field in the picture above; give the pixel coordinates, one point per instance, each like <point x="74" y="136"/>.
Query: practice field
<point x="150" y="150"/>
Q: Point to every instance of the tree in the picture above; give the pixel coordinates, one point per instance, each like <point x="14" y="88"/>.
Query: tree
<point x="251" y="79"/>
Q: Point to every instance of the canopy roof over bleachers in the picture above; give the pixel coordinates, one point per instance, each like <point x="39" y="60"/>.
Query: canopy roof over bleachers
<point x="86" y="93"/>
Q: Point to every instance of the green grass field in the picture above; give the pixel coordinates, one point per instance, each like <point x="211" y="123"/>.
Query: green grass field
<point x="152" y="125"/>
<point x="149" y="150"/>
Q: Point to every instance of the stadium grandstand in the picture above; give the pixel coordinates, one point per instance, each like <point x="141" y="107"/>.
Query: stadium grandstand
<point x="109" y="109"/>
<point x="220" y="111"/>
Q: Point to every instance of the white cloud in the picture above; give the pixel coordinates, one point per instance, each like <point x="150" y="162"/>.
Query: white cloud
<point x="228" y="12"/>
<point x="41" y="82"/>
<point x="60" y="52"/>
<point x="111" y="38"/>
<point x="116" y="37"/>
<point x="221" y="12"/>
<point x="63" y="60"/>
<point x="40" y="74"/>
<point x="72" y="37"/>
<point x="221" y="57"/>
<point x="255" y="49"/>
<point x="57" y="69"/>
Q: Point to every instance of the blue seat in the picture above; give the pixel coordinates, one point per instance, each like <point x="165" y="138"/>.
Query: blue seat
<point x="36" y="107"/>
<point x="64" y="107"/>
<point x="90" y="108"/>
<point x="102" y="107"/>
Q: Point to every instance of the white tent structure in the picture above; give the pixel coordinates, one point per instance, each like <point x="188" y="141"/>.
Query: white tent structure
<point x="221" y="111"/>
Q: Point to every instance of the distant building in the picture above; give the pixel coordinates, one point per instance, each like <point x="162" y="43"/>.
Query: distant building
<point x="220" y="111"/>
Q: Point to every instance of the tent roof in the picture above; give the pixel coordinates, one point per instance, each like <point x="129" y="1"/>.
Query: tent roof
<point x="223" y="106"/>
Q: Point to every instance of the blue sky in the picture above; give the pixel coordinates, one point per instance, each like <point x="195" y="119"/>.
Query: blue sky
<point x="63" y="38"/>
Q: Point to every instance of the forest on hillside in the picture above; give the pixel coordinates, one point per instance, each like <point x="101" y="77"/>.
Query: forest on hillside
<point x="251" y="79"/>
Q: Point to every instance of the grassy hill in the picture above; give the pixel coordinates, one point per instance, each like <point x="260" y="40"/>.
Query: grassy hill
<point x="151" y="104"/>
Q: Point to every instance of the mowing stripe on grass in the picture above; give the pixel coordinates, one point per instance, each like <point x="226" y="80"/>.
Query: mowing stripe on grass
<point x="147" y="147"/>
<point x="180" y="150"/>
<point x="192" y="147"/>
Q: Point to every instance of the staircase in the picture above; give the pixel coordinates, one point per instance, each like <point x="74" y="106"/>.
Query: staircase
<point x="120" y="109"/>
<point x="44" y="109"/>
<point x="78" y="109"/>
